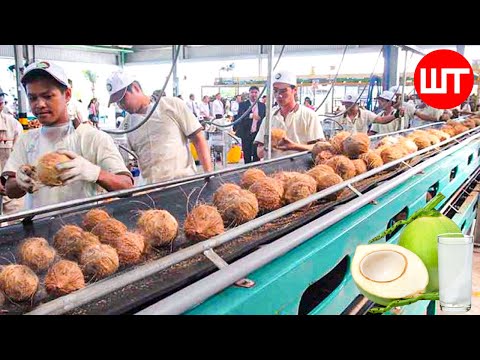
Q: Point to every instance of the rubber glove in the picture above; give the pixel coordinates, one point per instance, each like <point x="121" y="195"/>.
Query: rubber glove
<point x="26" y="179"/>
<point x="77" y="169"/>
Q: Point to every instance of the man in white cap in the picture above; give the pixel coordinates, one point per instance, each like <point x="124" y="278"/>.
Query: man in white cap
<point x="389" y="119"/>
<point x="354" y="119"/>
<point x="95" y="160"/>
<point x="161" y="143"/>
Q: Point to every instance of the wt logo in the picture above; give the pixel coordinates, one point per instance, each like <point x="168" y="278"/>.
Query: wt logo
<point x="443" y="79"/>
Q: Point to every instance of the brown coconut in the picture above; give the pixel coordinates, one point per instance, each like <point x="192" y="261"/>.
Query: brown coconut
<point x="108" y="231"/>
<point x="237" y="206"/>
<point x="159" y="227"/>
<point x="321" y="146"/>
<point x="433" y="139"/>
<point x="63" y="278"/>
<point x="250" y="176"/>
<point x="94" y="217"/>
<point x="327" y="180"/>
<point x="323" y="157"/>
<point x="421" y="141"/>
<point x="224" y="191"/>
<point x="46" y="168"/>
<point x="319" y="171"/>
<point x="269" y="193"/>
<point x="476" y="119"/>
<point x="459" y="128"/>
<point x="469" y="123"/>
<point x="356" y="144"/>
<point x="277" y="136"/>
<point x="36" y="253"/>
<point x="418" y="133"/>
<point x="99" y="261"/>
<point x="66" y="241"/>
<point x="337" y="141"/>
<point x="342" y="166"/>
<point x="379" y="149"/>
<point x="285" y="176"/>
<point x="360" y="166"/>
<point x="130" y="248"/>
<point x="18" y="282"/>
<point x="388" y="141"/>
<point x="299" y="187"/>
<point x="449" y="130"/>
<point x="440" y="134"/>
<point x="391" y="154"/>
<point x="202" y="223"/>
<point x="372" y="160"/>
<point x="408" y="144"/>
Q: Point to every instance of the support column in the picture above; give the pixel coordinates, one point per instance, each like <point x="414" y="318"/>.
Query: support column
<point x="22" y="97"/>
<point x="390" y="69"/>
<point x="268" y="120"/>
<point x="176" y="87"/>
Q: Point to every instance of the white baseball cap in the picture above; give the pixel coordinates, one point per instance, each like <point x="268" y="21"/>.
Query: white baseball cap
<point x="396" y="89"/>
<point x="51" y="68"/>
<point x="286" y="77"/>
<point x="387" y="95"/>
<point x="349" y="98"/>
<point x="117" y="86"/>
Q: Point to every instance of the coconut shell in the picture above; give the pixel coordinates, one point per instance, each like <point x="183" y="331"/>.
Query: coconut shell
<point x="202" y="223"/>
<point x="277" y="136"/>
<point x="159" y="227"/>
<point x="299" y="187"/>
<point x="18" y="282"/>
<point x="356" y="144"/>
<point x="391" y="154"/>
<point x="36" y="253"/>
<point x="421" y="141"/>
<point x="224" y="191"/>
<point x="130" y="248"/>
<point x="63" y="278"/>
<point x="250" y="176"/>
<point x="237" y="206"/>
<point x="372" y="160"/>
<point x="99" y="261"/>
<point x="94" y="217"/>
<point x="66" y="241"/>
<point x="337" y="141"/>
<point x="342" y="166"/>
<point x="360" y="166"/>
<point x="46" y="170"/>
<point x="327" y="180"/>
<point x="269" y="193"/>
<point x="322" y="146"/>
<point x="108" y="231"/>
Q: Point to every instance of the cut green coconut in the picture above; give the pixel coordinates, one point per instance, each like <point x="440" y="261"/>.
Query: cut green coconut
<point x="385" y="272"/>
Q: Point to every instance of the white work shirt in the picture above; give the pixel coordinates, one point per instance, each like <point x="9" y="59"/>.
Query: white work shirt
<point x="86" y="141"/>
<point x="204" y="110"/>
<point x="359" y="123"/>
<point x="217" y="108"/>
<point x="437" y="113"/>
<point x="392" y="126"/>
<point x="10" y="131"/>
<point x="77" y="110"/>
<point x="234" y="105"/>
<point x="302" y="126"/>
<point x="193" y="107"/>
<point x="161" y="144"/>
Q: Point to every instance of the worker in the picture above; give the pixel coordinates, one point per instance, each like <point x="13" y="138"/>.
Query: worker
<point x="75" y="109"/>
<point x="355" y="119"/>
<point x="161" y="143"/>
<point x="389" y="119"/>
<point x="425" y="115"/>
<point x="301" y="124"/>
<point x="95" y="160"/>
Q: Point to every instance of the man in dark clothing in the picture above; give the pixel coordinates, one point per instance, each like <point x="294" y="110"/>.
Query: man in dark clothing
<point x="247" y="128"/>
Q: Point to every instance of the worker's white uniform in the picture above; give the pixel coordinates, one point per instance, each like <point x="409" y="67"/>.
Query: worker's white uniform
<point x="10" y="131"/>
<point x="86" y="141"/>
<point x="77" y="110"/>
<point x="359" y="123"/>
<point x="161" y="144"/>
<point x="437" y="113"/>
<point x="392" y="126"/>
<point x="302" y="126"/>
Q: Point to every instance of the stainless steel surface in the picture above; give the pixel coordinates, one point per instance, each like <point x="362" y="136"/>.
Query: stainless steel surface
<point x="268" y="117"/>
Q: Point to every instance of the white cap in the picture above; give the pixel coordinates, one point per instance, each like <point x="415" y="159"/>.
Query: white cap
<point x="396" y="89"/>
<point x="117" y="86"/>
<point x="349" y="98"/>
<point x="53" y="69"/>
<point x="387" y="95"/>
<point x="286" y="77"/>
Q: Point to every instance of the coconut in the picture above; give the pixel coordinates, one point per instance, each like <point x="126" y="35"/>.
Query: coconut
<point x="386" y="272"/>
<point x="320" y="170"/>
<point x="417" y="133"/>
<point x="18" y="282"/>
<point x="449" y="130"/>
<point x="420" y="237"/>
<point x="408" y="145"/>
<point x="108" y="231"/>
<point x="421" y="141"/>
<point x="388" y="141"/>
<point x="323" y="156"/>
<point x="372" y="160"/>
<point x="327" y="180"/>
<point x="459" y="128"/>
<point x="159" y="227"/>
<point x="63" y="278"/>
<point x="36" y="253"/>
<point x="67" y="240"/>
<point x="299" y="187"/>
<point x="321" y="146"/>
<point x="99" y="261"/>
<point x="391" y="154"/>
<point x="360" y="166"/>
<point x="202" y="223"/>
<point x="342" y="166"/>
<point x="477" y="120"/>
<point x="224" y="191"/>
<point x="433" y="139"/>
<point x="285" y="176"/>
<point x="469" y="123"/>
<point x="337" y="141"/>
<point x="93" y="217"/>
<point x="269" y="193"/>
<point x="356" y="144"/>
<point x="130" y="248"/>
<point x="379" y="149"/>
<point x="46" y="168"/>
<point x="250" y="176"/>
<point x="277" y="136"/>
<point x="237" y="207"/>
<point x="439" y="134"/>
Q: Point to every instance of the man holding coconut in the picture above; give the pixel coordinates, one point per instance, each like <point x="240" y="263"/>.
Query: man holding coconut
<point x="161" y="143"/>
<point x="94" y="158"/>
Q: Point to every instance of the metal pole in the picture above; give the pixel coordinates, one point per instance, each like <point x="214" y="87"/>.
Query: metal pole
<point x="176" y="90"/>
<point x="403" y="125"/>
<point x="22" y="98"/>
<point x="268" y="115"/>
<point x="260" y="60"/>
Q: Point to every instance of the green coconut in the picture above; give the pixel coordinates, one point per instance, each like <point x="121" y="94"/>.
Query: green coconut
<point x="420" y="237"/>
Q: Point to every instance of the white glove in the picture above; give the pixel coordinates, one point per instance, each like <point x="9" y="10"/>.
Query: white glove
<point x="26" y="179"/>
<point x="77" y="169"/>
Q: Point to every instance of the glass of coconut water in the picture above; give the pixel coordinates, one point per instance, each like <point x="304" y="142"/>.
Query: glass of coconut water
<point x="455" y="253"/>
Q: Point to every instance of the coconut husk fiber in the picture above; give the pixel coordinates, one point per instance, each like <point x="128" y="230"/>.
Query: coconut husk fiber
<point x="342" y="166"/>
<point x="46" y="168"/>
<point x="355" y="145"/>
<point x="202" y="223"/>
<point x="67" y="241"/>
<point x="393" y="153"/>
<point x="63" y="278"/>
<point x="321" y="146"/>
<point x="18" y="282"/>
<point x="409" y="145"/>
<point x="224" y="191"/>
<point x="250" y="176"/>
<point x="130" y="248"/>
<point x="277" y="135"/>
<point x="372" y="160"/>
<point x="337" y="141"/>
<point x="159" y="227"/>
<point x="360" y="166"/>
<point x="299" y="187"/>
<point x="327" y="180"/>
<point x="99" y="261"/>
<point x="36" y="253"/>
<point x="235" y="205"/>
<point x="108" y="231"/>
<point x="94" y="217"/>
<point x="269" y="193"/>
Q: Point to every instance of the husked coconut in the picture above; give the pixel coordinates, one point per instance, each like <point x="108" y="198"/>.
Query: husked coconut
<point x="108" y="231"/>
<point x="388" y="141"/>
<point x="356" y="144"/>
<point x="269" y="193"/>
<point x="327" y="180"/>
<point x="277" y="136"/>
<point x="67" y="241"/>
<point x="130" y="248"/>
<point x="372" y="160"/>
<point x="235" y="205"/>
<point x="224" y="191"/>
<point x="321" y="146"/>
<point x="94" y="217"/>
<point x="360" y="166"/>
<point x="391" y="154"/>
<point x="63" y="278"/>
<point x="337" y="141"/>
<point x="159" y="227"/>
<point x="299" y="187"/>
<point x="18" y="282"/>
<point x="36" y="253"/>
<point x="250" y="176"/>
<point x="202" y="223"/>
<point x="46" y="168"/>
<point x="99" y="261"/>
<point x="342" y="166"/>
